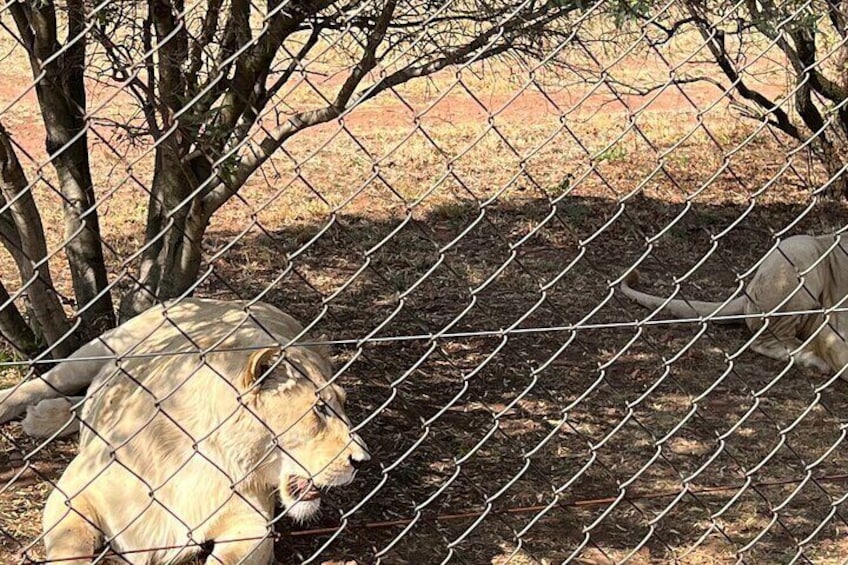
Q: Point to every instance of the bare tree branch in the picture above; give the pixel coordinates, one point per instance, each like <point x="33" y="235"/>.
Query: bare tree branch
<point x="369" y="56"/>
<point x="173" y="54"/>
<point x="253" y="66"/>
<point x="207" y="33"/>
<point x="121" y="67"/>
<point x="714" y="39"/>
<point x="250" y="115"/>
<point x="493" y="42"/>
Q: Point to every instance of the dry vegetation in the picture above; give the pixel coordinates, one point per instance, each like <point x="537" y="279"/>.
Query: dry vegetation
<point x="507" y="426"/>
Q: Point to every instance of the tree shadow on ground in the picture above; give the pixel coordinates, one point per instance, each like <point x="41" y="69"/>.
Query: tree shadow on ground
<point x="526" y="427"/>
<point x="574" y="433"/>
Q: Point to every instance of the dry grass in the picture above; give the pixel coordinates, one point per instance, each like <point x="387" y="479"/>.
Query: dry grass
<point x="624" y="420"/>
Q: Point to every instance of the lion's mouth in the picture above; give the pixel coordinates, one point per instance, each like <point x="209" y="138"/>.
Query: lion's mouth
<point x="302" y="489"/>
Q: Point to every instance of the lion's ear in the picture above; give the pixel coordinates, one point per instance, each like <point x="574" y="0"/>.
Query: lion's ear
<point x="257" y="365"/>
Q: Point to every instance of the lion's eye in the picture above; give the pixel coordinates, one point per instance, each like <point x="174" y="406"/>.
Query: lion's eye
<point x="323" y="409"/>
<point x="264" y="368"/>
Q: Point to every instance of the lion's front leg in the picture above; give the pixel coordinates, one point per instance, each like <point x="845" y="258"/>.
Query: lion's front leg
<point x="237" y="549"/>
<point x="70" y="537"/>
<point x="833" y="348"/>
<point x="242" y="537"/>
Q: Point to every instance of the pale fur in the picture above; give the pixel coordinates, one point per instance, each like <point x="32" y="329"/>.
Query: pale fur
<point x="192" y="446"/>
<point x="801" y="274"/>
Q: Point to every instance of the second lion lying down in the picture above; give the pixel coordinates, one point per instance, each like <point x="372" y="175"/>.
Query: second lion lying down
<point x="187" y="435"/>
<point x="785" y="302"/>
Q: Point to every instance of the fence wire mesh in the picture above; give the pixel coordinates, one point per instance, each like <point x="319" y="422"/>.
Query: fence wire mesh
<point x="449" y="195"/>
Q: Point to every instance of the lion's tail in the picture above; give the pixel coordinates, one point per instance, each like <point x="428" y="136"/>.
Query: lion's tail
<point x="682" y="308"/>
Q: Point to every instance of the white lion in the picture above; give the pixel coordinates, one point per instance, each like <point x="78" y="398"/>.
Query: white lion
<point x="196" y="413"/>
<point x="797" y="292"/>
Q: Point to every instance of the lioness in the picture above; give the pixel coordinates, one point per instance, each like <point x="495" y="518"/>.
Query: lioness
<point x="801" y="275"/>
<point x="195" y="416"/>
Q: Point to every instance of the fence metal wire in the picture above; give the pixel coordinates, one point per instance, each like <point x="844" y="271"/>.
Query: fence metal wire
<point x="452" y="192"/>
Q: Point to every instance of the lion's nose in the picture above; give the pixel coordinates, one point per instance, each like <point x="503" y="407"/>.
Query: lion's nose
<point x="359" y="452"/>
<point x="358" y="462"/>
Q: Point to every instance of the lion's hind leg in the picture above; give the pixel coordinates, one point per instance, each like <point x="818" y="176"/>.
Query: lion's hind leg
<point x="832" y="347"/>
<point x="790" y="348"/>
<point x="71" y="376"/>
<point x="69" y="537"/>
<point x="777" y="336"/>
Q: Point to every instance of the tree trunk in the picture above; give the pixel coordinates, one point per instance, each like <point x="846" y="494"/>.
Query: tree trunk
<point x="14" y="328"/>
<point x="60" y="89"/>
<point x="83" y="247"/>
<point x="171" y="261"/>
<point x="24" y="239"/>
<point x="82" y="228"/>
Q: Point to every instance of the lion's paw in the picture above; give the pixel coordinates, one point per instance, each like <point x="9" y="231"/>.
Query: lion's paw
<point x="50" y="417"/>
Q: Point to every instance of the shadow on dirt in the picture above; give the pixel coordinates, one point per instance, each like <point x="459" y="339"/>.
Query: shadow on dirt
<point x="525" y="427"/>
<point x="575" y="433"/>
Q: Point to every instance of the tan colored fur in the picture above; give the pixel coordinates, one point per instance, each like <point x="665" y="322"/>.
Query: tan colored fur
<point x="178" y="450"/>
<point x="802" y="274"/>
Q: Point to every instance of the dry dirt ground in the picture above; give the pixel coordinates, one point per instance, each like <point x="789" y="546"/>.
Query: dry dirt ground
<point x="577" y="435"/>
<point x="614" y="445"/>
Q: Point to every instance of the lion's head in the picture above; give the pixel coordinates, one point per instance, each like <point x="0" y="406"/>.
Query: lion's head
<point x="312" y="444"/>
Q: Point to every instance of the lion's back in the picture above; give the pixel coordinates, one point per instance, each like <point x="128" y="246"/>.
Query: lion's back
<point x="175" y="359"/>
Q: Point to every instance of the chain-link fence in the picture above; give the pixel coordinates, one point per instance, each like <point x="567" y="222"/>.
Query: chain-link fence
<point x="452" y="200"/>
